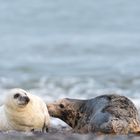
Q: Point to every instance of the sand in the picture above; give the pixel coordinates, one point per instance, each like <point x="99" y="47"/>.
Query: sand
<point x="63" y="133"/>
<point x="62" y="136"/>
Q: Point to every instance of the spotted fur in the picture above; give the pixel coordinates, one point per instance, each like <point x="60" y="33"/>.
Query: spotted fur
<point x="110" y="114"/>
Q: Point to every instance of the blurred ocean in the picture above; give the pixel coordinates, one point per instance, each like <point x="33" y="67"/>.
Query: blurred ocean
<point x="68" y="48"/>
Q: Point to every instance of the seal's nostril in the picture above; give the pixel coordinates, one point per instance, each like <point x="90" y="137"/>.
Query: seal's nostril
<point x="27" y="99"/>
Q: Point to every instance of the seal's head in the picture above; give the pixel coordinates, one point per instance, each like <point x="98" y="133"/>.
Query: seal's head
<point x="66" y="110"/>
<point x="17" y="98"/>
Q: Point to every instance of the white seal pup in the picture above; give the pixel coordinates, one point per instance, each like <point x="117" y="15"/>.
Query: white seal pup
<point x="23" y="111"/>
<point x="106" y="114"/>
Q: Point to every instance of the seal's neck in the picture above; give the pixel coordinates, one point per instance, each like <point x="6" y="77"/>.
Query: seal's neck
<point x="76" y="112"/>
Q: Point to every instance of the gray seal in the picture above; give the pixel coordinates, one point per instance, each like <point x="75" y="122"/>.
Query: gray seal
<point x="106" y="114"/>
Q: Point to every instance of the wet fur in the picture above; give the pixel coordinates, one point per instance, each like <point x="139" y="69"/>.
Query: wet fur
<point x="105" y="114"/>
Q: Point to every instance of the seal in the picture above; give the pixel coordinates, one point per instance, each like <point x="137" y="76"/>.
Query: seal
<point x="105" y="114"/>
<point x="23" y="111"/>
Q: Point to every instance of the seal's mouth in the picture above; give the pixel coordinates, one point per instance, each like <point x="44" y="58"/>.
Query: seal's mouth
<point x="50" y="110"/>
<point x="23" y="100"/>
<point x="53" y="111"/>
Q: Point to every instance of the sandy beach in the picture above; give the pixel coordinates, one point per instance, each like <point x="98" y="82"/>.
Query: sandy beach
<point x="63" y="136"/>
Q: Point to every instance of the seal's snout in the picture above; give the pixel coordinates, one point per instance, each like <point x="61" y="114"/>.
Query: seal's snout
<point x="24" y="99"/>
<point x="52" y="110"/>
<point x="49" y="106"/>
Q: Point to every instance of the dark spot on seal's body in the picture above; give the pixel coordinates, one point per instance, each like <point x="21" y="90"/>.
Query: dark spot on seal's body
<point x="65" y="115"/>
<point x="32" y="130"/>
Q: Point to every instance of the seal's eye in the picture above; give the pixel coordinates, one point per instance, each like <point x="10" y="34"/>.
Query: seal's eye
<point x="61" y="106"/>
<point x="16" y="95"/>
